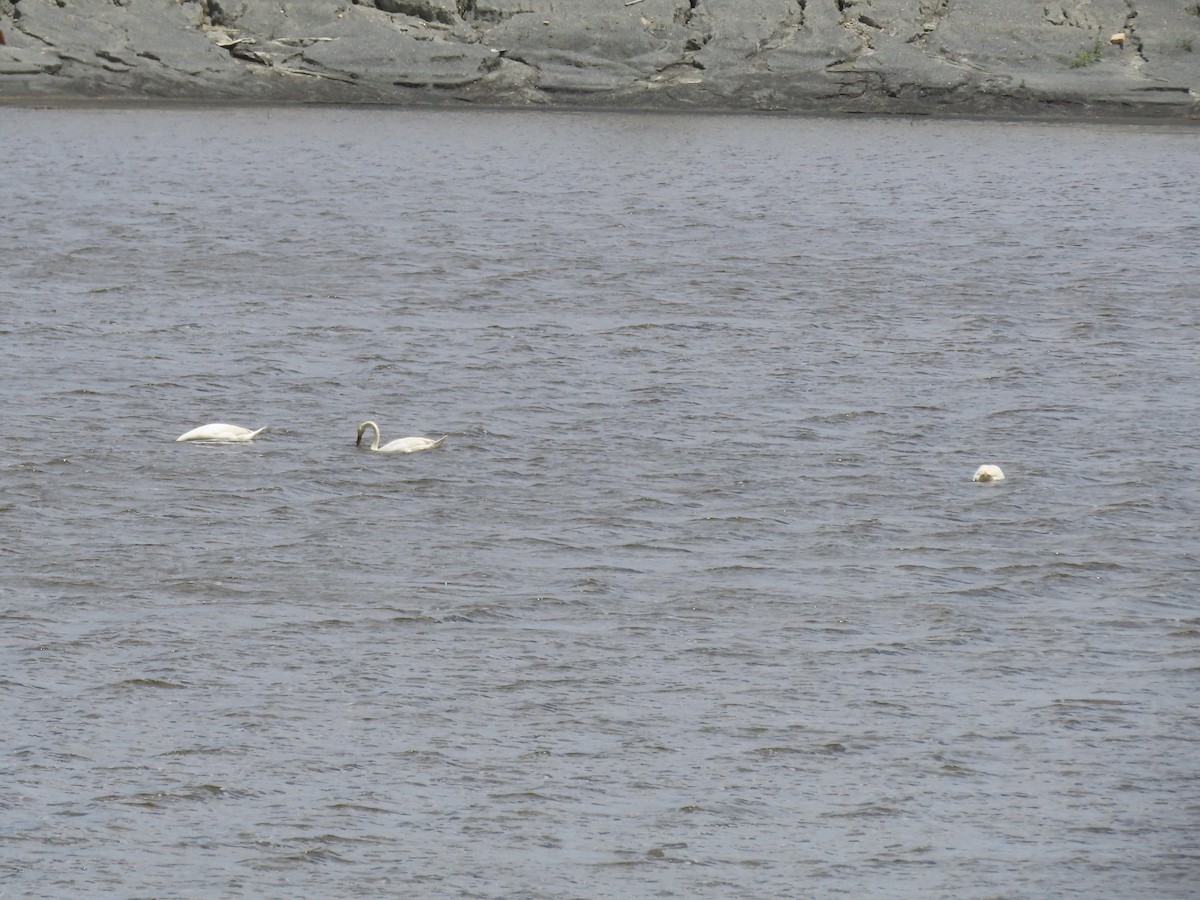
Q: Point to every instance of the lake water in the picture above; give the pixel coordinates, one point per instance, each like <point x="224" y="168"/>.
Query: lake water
<point x="698" y="599"/>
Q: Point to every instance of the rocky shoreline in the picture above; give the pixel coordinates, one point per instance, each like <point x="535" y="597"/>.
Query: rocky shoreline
<point x="1078" y="58"/>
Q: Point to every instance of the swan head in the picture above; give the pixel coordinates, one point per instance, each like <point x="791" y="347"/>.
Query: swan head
<point x="988" y="473"/>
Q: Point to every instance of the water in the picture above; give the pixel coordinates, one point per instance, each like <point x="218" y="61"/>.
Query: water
<point x="698" y="599"/>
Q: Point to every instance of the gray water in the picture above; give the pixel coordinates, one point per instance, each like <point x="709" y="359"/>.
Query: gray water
<point x="698" y="600"/>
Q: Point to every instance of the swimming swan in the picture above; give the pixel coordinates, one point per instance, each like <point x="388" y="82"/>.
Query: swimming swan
<point x="988" y="473"/>
<point x="220" y="432"/>
<point x="400" y="445"/>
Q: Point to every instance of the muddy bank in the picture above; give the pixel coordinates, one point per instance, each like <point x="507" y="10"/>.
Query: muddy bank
<point x="979" y="57"/>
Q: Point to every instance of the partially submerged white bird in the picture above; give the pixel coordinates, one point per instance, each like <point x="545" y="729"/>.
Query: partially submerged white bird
<point x="400" y="445"/>
<point x="219" y="432"/>
<point x="988" y="473"/>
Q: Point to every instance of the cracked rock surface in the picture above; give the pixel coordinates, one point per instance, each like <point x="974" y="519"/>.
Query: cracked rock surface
<point x="903" y="56"/>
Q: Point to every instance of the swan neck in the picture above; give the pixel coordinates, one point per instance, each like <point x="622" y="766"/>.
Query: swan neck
<point x="363" y="427"/>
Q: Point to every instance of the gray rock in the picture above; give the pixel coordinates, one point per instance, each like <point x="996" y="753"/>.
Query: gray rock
<point x="903" y="56"/>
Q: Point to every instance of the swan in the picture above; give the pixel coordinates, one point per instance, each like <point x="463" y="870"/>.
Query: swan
<point x="220" y="432"/>
<point x="988" y="473"/>
<point x="400" y="445"/>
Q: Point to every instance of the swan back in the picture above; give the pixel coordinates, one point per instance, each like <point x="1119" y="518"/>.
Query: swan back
<point x="410" y="444"/>
<point x="400" y="445"/>
<point x="988" y="473"/>
<point x="220" y="432"/>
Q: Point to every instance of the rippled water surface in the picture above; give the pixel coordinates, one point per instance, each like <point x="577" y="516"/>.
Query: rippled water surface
<point x="698" y="600"/>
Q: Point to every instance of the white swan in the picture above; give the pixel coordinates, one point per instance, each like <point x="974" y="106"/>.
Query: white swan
<point x="988" y="473"/>
<point x="220" y="432"/>
<point x="400" y="445"/>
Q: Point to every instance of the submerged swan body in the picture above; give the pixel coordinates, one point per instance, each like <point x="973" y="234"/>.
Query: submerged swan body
<point x="219" y="432"/>
<point x="400" y="445"/>
<point x="988" y="473"/>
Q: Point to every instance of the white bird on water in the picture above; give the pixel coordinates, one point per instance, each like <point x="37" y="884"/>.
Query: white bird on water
<point x="219" y="432"/>
<point x="989" y="473"/>
<point x="400" y="445"/>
